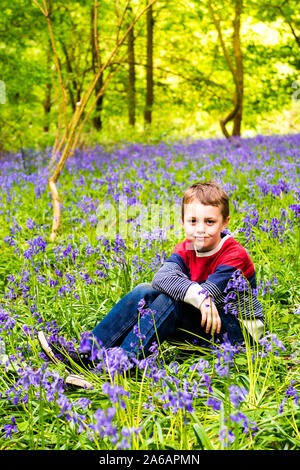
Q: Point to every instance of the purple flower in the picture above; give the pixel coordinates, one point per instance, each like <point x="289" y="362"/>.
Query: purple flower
<point x="290" y="392"/>
<point x="237" y="395"/>
<point x="226" y="436"/>
<point x="242" y="419"/>
<point x="225" y="353"/>
<point x="113" y="360"/>
<point x="104" y="424"/>
<point x="115" y="393"/>
<point x="30" y="223"/>
<point x="296" y="209"/>
<point x="141" y="304"/>
<point x="36" y="245"/>
<point x="200" y="366"/>
<point x="271" y="342"/>
<point x="214" y="403"/>
<point x="9" y="428"/>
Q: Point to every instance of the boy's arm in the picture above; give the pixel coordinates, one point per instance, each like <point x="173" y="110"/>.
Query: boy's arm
<point x="173" y="279"/>
<point x="217" y="282"/>
<point x="237" y="298"/>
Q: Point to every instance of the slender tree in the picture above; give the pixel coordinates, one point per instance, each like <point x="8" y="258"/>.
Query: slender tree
<point x="131" y="77"/>
<point x="238" y="57"/>
<point x="236" y="68"/>
<point x="149" y="67"/>
<point x="47" y="100"/>
<point x="96" y="65"/>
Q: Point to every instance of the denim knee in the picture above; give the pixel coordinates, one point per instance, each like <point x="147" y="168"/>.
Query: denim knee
<point x="143" y="284"/>
<point x="143" y="287"/>
<point x="145" y="291"/>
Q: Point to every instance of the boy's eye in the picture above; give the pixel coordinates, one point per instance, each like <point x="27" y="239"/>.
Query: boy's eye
<point x="210" y="222"/>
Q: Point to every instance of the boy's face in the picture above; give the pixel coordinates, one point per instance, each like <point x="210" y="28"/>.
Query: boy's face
<point x="203" y="225"/>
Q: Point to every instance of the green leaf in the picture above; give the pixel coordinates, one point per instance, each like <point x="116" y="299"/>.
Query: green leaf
<point x="201" y="435"/>
<point x="23" y="426"/>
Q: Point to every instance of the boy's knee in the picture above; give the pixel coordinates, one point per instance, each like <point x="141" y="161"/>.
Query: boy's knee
<point x="144" y="288"/>
<point x="143" y="284"/>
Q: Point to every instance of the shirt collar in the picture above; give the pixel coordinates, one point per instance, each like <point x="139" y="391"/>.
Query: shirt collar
<point x="201" y="254"/>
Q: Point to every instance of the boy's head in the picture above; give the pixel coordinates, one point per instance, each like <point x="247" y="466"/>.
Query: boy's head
<point x="205" y="214"/>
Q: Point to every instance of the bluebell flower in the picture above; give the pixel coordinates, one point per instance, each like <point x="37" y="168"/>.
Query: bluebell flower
<point x="30" y="224"/>
<point x="237" y="395"/>
<point x="226" y="436"/>
<point x="240" y="418"/>
<point x="214" y="403"/>
<point x="9" y="428"/>
<point x="290" y="392"/>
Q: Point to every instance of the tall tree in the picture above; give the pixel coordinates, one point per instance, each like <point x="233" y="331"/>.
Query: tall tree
<point x="96" y="65"/>
<point x="48" y="92"/>
<point x="235" y="67"/>
<point x="131" y="77"/>
<point x="239" y="72"/>
<point x="149" y="67"/>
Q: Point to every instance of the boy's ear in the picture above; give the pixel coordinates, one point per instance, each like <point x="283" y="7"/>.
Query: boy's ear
<point x="226" y="221"/>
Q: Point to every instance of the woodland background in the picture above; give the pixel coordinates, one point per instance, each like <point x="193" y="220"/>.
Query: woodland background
<point x="147" y="96"/>
<point x="182" y="67"/>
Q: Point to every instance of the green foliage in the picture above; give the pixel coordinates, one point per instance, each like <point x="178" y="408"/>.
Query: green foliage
<point x="193" y="86"/>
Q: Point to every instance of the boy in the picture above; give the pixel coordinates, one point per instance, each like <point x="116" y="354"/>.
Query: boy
<point x="193" y="295"/>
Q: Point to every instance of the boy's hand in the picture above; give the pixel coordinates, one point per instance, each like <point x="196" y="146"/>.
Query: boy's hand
<point x="210" y="316"/>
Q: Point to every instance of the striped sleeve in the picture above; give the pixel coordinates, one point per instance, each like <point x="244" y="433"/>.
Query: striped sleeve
<point x="217" y="282"/>
<point x="173" y="278"/>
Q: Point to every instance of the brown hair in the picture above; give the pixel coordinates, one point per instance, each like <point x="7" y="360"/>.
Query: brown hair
<point x="209" y="194"/>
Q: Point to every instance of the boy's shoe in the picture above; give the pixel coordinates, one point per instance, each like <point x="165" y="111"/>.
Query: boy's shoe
<point x="46" y="347"/>
<point x="77" y="381"/>
<point x="55" y="349"/>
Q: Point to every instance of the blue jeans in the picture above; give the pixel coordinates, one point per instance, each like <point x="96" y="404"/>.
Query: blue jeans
<point x="130" y="329"/>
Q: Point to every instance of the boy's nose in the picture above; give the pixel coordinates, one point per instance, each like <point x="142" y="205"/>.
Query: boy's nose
<point x="200" y="227"/>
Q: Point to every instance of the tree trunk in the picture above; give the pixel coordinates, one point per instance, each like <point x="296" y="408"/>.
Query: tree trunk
<point x="73" y="85"/>
<point x="96" y="64"/>
<point x="131" y="79"/>
<point x="97" y="120"/>
<point x="47" y="107"/>
<point x="149" y="71"/>
<point x="238" y="56"/>
<point x="236" y="69"/>
<point x="47" y="100"/>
